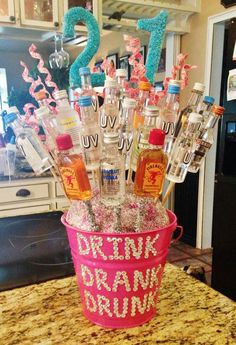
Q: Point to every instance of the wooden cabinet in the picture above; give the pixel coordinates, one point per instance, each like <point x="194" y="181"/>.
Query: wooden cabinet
<point x="39" y="195"/>
<point x="7" y="11"/>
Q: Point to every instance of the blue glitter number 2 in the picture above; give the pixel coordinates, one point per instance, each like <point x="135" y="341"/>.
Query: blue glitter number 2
<point x="71" y="18"/>
<point x="156" y="26"/>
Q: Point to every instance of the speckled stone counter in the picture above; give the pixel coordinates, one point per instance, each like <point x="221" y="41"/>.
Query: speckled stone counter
<point x="189" y="312"/>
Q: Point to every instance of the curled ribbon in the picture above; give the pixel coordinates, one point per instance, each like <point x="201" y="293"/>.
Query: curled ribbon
<point x="136" y="59"/>
<point x="42" y="69"/>
<point x="29" y="79"/>
<point x="29" y="117"/>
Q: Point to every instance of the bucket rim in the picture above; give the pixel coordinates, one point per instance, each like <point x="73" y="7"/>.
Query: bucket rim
<point x="122" y="234"/>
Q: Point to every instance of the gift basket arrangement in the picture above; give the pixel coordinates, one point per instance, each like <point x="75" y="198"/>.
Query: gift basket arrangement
<point x="112" y="162"/>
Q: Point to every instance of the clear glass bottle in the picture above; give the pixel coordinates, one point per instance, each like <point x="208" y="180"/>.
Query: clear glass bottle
<point x="121" y="76"/>
<point x="150" y="114"/>
<point x="151" y="167"/>
<point x="205" y="139"/>
<point x="192" y="106"/>
<point x="87" y="89"/>
<point x="205" y="107"/>
<point x="68" y="118"/>
<point x="30" y="145"/>
<point x="3" y="161"/>
<point x="72" y="170"/>
<point x="169" y="115"/>
<point x="183" y="150"/>
<point x="112" y="172"/>
<point x="41" y="98"/>
<point x="109" y="112"/>
<point x="143" y="96"/>
<point x="90" y="136"/>
<point x="50" y="126"/>
<point x="126" y="129"/>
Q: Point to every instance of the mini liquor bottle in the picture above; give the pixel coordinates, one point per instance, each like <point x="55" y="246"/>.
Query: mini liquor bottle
<point x="192" y="107"/>
<point x="72" y="170"/>
<point x="169" y="115"/>
<point x="112" y="172"/>
<point x="30" y="145"/>
<point x="90" y="136"/>
<point x="205" y="139"/>
<point x="109" y="112"/>
<point x="183" y="150"/>
<point x="150" y="114"/>
<point x="126" y="129"/>
<point x="151" y="167"/>
<point x="68" y="118"/>
<point x="121" y="76"/>
<point x="87" y="89"/>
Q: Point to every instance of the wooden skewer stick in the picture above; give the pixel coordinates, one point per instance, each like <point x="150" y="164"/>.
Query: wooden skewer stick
<point x="168" y="192"/>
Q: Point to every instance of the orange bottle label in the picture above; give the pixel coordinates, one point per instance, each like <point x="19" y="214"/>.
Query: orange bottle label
<point x="69" y="179"/>
<point x="153" y="177"/>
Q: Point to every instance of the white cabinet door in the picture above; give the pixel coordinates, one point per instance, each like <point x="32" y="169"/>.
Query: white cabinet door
<point x="7" y="11"/>
<point x="39" y="13"/>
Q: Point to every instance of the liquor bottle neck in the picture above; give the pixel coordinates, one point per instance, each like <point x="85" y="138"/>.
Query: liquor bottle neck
<point x="111" y="95"/>
<point x="86" y="82"/>
<point x="87" y="114"/>
<point x="172" y="98"/>
<point x="150" y="121"/>
<point x="155" y="147"/>
<point x="195" y="98"/>
<point x="212" y="121"/>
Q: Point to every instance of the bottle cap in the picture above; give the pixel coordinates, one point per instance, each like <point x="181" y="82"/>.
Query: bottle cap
<point x="110" y="138"/>
<point x="110" y="83"/>
<point x="209" y="99"/>
<point x="199" y="87"/>
<point x="195" y="118"/>
<point x="12" y="110"/>
<point x="156" y="136"/>
<point x="121" y="72"/>
<point x="85" y="101"/>
<point x="64" y="142"/>
<point x="138" y="120"/>
<point x="218" y="110"/>
<point x="144" y="85"/>
<point x="129" y="103"/>
<point x="84" y="71"/>
<point x="151" y="110"/>
<point x="175" y="82"/>
<point x="10" y="118"/>
<point x="41" y="112"/>
<point x="173" y="89"/>
<point x="40" y="95"/>
<point x="60" y="94"/>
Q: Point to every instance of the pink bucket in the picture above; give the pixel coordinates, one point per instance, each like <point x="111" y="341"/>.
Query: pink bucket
<point x="119" y="275"/>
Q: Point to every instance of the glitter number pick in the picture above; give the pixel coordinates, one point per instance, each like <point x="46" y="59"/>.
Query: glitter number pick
<point x="156" y="26"/>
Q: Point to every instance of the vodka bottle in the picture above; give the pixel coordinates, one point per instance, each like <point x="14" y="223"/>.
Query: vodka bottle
<point x="151" y="114"/>
<point x="90" y="137"/>
<point x="72" y="170"/>
<point x="109" y="112"/>
<point x="67" y="118"/>
<point x="86" y="87"/>
<point x="30" y="145"/>
<point x="192" y="106"/>
<point x="151" y="167"/>
<point x="205" y="139"/>
<point x="49" y="123"/>
<point x="121" y="76"/>
<point x="169" y="115"/>
<point x="205" y="107"/>
<point x="143" y="96"/>
<point x="126" y="129"/>
<point x="183" y="150"/>
<point x="112" y="172"/>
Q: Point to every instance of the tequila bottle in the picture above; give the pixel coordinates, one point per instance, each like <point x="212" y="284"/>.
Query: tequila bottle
<point x="112" y="172"/>
<point x="183" y="150"/>
<point x="90" y="137"/>
<point x="205" y="139"/>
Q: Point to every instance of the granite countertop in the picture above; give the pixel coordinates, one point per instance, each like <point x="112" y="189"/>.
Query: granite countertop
<point x="50" y="313"/>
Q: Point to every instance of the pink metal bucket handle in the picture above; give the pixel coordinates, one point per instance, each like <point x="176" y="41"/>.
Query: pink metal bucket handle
<point x="181" y="230"/>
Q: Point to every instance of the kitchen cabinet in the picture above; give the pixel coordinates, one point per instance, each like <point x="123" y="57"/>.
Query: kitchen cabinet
<point x="7" y="11"/>
<point x="39" y="13"/>
<point x="40" y="195"/>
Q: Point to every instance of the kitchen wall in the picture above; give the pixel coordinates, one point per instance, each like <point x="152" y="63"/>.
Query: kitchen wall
<point x="194" y="43"/>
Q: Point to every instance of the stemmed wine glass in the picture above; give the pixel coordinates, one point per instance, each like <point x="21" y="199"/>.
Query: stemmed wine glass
<point x="55" y="59"/>
<point x="65" y="56"/>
